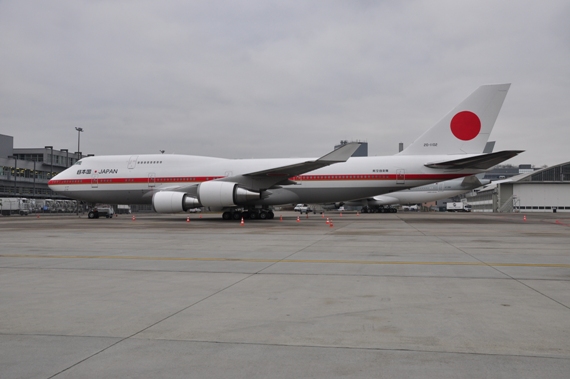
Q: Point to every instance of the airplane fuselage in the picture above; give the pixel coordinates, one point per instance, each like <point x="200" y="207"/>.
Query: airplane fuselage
<point x="134" y="179"/>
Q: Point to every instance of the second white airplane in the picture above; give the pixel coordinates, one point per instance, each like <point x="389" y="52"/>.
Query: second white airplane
<point x="249" y="187"/>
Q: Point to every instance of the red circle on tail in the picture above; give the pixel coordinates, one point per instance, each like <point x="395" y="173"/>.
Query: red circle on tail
<point x="465" y="125"/>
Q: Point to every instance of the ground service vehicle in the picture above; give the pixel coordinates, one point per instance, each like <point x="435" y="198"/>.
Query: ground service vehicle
<point x="14" y="206"/>
<point x="303" y="208"/>
<point x="105" y="211"/>
<point x="123" y="209"/>
<point x="458" y="207"/>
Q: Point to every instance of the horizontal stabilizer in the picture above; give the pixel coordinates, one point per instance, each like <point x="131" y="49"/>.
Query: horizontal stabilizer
<point x="471" y="182"/>
<point x="481" y="162"/>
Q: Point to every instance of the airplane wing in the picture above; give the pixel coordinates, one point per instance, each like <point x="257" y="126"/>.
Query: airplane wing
<point x="481" y="162"/>
<point x="280" y="175"/>
<point x="336" y="156"/>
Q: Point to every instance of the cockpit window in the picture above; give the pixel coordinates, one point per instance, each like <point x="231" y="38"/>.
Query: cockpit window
<point x="78" y="163"/>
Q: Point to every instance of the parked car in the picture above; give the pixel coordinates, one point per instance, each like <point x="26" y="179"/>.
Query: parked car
<point x="303" y="208"/>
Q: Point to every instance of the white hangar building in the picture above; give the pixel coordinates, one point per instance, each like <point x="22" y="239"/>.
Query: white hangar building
<point x="545" y="190"/>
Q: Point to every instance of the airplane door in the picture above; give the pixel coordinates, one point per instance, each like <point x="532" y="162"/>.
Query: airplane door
<point x="95" y="180"/>
<point x="151" y="179"/>
<point x="400" y="176"/>
<point x="132" y="162"/>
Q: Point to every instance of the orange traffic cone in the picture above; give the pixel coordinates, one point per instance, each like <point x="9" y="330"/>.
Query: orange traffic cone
<point x="188" y="219"/>
<point x="323" y="215"/>
<point x="242" y="223"/>
<point x="200" y="215"/>
<point x="340" y="214"/>
<point x="328" y="222"/>
<point x="298" y="219"/>
<point x="524" y="218"/>
<point x="357" y="213"/>
<point x="134" y="218"/>
<point x="280" y="218"/>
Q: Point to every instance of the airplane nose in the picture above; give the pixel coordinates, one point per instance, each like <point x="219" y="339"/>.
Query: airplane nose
<point x="52" y="182"/>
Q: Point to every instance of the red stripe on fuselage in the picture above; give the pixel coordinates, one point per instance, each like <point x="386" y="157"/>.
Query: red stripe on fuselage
<point x="304" y="178"/>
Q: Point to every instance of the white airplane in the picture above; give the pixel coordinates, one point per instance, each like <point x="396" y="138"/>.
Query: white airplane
<point x="422" y="194"/>
<point x="249" y="187"/>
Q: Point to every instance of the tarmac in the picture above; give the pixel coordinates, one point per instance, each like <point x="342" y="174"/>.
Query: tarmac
<point x="406" y="295"/>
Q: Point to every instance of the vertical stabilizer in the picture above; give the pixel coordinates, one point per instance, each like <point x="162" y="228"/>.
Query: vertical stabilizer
<point x="466" y="129"/>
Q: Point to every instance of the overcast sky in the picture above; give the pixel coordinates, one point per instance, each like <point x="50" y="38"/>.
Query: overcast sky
<point x="258" y="79"/>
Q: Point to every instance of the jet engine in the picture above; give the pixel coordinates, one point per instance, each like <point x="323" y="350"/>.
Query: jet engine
<point x="210" y="194"/>
<point x="224" y="194"/>
<point x="173" y="202"/>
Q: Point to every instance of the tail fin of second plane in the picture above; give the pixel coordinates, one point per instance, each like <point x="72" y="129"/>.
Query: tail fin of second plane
<point x="466" y="129"/>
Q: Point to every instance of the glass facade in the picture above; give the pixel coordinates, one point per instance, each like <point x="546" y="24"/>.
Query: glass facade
<point x="559" y="173"/>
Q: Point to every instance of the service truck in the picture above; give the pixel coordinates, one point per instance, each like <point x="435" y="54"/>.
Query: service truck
<point x="106" y="211"/>
<point x="14" y="205"/>
<point x="123" y="209"/>
<point x="458" y="207"/>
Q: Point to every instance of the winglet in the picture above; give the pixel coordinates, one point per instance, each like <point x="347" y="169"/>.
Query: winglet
<point x="341" y="154"/>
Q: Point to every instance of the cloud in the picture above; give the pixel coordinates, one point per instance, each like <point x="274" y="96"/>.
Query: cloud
<point x="272" y="79"/>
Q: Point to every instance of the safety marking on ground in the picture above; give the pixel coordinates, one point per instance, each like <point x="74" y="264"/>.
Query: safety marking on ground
<point x="264" y="260"/>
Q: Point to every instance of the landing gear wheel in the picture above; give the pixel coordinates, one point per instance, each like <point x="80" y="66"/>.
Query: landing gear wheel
<point x="226" y="215"/>
<point x="270" y="215"/>
<point x="236" y="215"/>
<point x="263" y="216"/>
<point x="253" y="215"/>
<point x="91" y="215"/>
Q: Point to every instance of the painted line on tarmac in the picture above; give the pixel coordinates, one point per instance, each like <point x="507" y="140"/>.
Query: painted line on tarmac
<point x="263" y="260"/>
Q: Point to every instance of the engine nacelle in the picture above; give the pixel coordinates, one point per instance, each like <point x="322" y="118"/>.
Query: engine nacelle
<point x="173" y="202"/>
<point x="210" y="194"/>
<point x="224" y="194"/>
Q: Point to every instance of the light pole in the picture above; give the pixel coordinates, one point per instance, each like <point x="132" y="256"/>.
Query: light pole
<point x="34" y="191"/>
<point x="15" y="171"/>
<point x="66" y="157"/>
<point x="79" y="130"/>
<point x="51" y="150"/>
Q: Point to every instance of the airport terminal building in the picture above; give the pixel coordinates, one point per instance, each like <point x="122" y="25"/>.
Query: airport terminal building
<point x="26" y="172"/>
<point x="545" y="190"/>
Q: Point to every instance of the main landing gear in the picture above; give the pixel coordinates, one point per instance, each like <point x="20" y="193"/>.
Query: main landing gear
<point x="252" y="214"/>
<point x="379" y="209"/>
